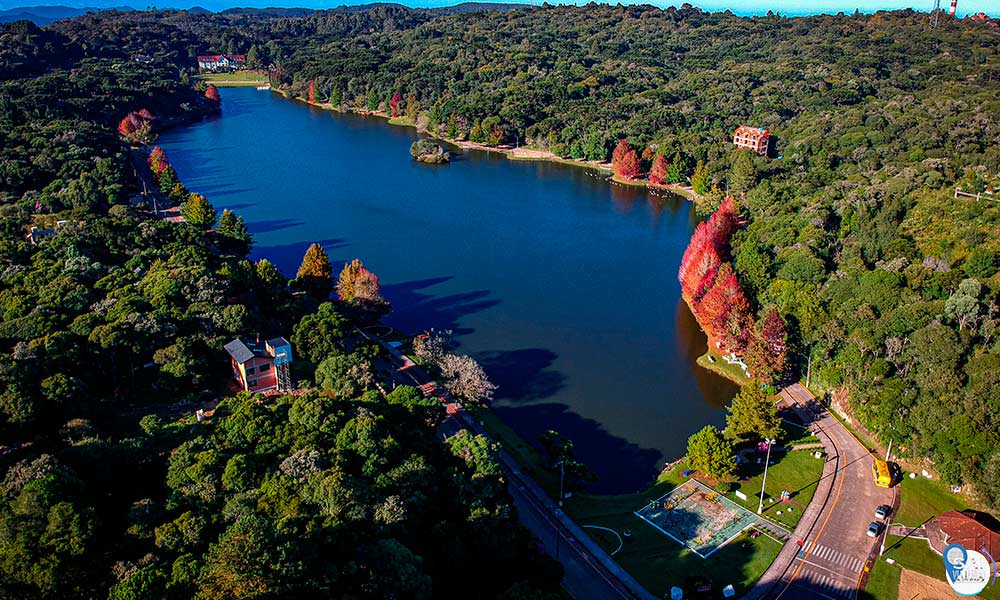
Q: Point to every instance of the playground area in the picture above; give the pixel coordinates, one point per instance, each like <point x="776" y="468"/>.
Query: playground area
<point x="697" y="517"/>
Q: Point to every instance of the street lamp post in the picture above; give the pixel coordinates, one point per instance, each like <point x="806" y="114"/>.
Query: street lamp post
<point x="562" y="473"/>
<point x="760" y="507"/>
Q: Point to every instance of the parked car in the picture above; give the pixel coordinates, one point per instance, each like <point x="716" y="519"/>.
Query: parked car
<point x="883" y="512"/>
<point x="874" y="528"/>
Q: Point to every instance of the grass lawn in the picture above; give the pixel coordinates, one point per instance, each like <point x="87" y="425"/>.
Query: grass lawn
<point x="657" y="561"/>
<point x="917" y="556"/>
<point x="407" y="121"/>
<point x="883" y="581"/>
<point x="797" y="471"/>
<point x="235" y="79"/>
<point x="731" y="372"/>
<point x="793" y="434"/>
<point x="922" y="499"/>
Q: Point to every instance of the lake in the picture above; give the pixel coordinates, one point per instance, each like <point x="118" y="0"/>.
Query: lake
<point x="563" y="287"/>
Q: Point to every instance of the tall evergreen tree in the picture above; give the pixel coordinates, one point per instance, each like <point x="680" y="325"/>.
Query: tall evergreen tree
<point x="315" y="275"/>
<point x="198" y="211"/>
<point x="753" y="415"/>
<point x="743" y="174"/>
<point x="234" y="231"/>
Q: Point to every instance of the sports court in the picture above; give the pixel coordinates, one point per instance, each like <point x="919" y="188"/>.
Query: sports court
<point x="697" y="517"/>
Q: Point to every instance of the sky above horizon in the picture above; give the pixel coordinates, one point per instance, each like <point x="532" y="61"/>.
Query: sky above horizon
<point x="740" y="7"/>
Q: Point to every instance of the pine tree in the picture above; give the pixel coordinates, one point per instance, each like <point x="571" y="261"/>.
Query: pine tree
<point x="372" y="100"/>
<point x="675" y="174"/>
<point x="315" y="275"/>
<point x="348" y="275"/>
<point x="168" y="179"/>
<point x="335" y="97"/>
<point x="743" y="174"/>
<point x="234" y="231"/>
<point x="700" y="182"/>
<point x="198" y="212"/>
<point x="658" y="172"/>
<point x="253" y="57"/>
<point x="753" y="415"/>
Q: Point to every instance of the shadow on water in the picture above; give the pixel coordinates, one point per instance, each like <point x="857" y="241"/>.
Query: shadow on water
<point x="692" y="343"/>
<point x="287" y="257"/>
<point x="626" y="467"/>
<point x="522" y="375"/>
<point x="270" y="225"/>
<point x="415" y="309"/>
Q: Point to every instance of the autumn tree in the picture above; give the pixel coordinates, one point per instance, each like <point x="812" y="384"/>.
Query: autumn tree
<point x="767" y="350"/>
<point x="711" y="453"/>
<point x="619" y="153"/>
<point x="629" y="167"/>
<point x="394" y="104"/>
<point x="753" y="415"/>
<point x="136" y="128"/>
<point x="212" y="93"/>
<point x="658" y="172"/>
<point x="312" y="92"/>
<point x="360" y="288"/>
<point x="198" y="211"/>
<point x="315" y="275"/>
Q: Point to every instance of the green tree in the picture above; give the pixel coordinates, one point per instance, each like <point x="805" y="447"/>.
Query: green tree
<point x="711" y="453"/>
<point x="743" y="174"/>
<point x="335" y="99"/>
<point x="701" y="183"/>
<point x="753" y="415"/>
<point x="233" y="233"/>
<point x="198" y="212"/>
<point x="322" y="333"/>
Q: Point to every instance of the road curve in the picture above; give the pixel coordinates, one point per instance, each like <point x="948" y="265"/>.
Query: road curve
<point x="829" y="554"/>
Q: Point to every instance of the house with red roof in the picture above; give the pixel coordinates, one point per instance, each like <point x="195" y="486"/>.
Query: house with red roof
<point x="974" y="530"/>
<point x="221" y="62"/>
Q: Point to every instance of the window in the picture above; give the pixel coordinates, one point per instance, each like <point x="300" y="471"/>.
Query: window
<point x="252" y="383"/>
<point x="264" y="368"/>
<point x="251" y="370"/>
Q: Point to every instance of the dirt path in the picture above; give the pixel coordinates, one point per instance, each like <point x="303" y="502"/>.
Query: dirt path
<point x="917" y="586"/>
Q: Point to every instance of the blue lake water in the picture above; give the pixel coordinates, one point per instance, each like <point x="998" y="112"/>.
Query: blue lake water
<point x="564" y="287"/>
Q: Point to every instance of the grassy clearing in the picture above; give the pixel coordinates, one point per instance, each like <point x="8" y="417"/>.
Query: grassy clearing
<point x="797" y="471"/>
<point x="235" y="79"/>
<point x="922" y="499"/>
<point x="914" y="555"/>
<point x="883" y="581"/>
<point x="657" y="561"/>
<point x="730" y="372"/>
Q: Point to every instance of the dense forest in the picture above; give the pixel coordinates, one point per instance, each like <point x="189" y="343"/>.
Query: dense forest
<point x="847" y="234"/>
<point x="112" y="331"/>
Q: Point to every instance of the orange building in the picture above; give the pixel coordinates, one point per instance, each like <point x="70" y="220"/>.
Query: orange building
<point x="260" y="366"/>
<point x="753" y="138"/>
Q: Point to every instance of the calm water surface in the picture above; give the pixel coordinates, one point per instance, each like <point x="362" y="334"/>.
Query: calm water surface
<point x="563" y="286"/>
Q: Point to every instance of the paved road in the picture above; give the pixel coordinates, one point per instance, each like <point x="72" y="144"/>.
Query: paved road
<point x="835" y="552"/>
<point x="590" y="574"/>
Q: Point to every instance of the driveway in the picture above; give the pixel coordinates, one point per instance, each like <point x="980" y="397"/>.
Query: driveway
<point x="829" y="552"/>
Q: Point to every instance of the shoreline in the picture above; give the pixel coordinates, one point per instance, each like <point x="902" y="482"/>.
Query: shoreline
<point x="521" y="153"/>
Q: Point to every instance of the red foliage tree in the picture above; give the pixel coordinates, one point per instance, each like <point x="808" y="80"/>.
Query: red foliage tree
<point x="629" y="166"/>
<point x="157" y="162"/>
<point x="619" y="153"/>
<point x="136" y="128"/>
<point x="658" y="172"/>
<point x="394" y="104"/>
<point x="767" y="351"/>
<point x="312" y="91"/>
<point x="212" y="93"/>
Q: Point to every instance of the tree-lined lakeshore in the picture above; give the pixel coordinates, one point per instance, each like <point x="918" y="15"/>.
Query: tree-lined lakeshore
<point x="844" y="252"/>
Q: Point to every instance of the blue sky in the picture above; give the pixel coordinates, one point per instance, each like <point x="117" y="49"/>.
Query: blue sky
<point x="741" y="7"/>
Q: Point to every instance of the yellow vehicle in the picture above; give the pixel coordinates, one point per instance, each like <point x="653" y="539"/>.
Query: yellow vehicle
<point x="880" y="471"/>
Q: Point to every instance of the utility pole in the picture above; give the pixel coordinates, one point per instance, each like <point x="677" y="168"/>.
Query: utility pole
<point x="562" y="473"/>
<point x="760" y="507"/>
<point x="888" y="450"/>
<point x="935" y="14"/>
<point x="809" y="364"/>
